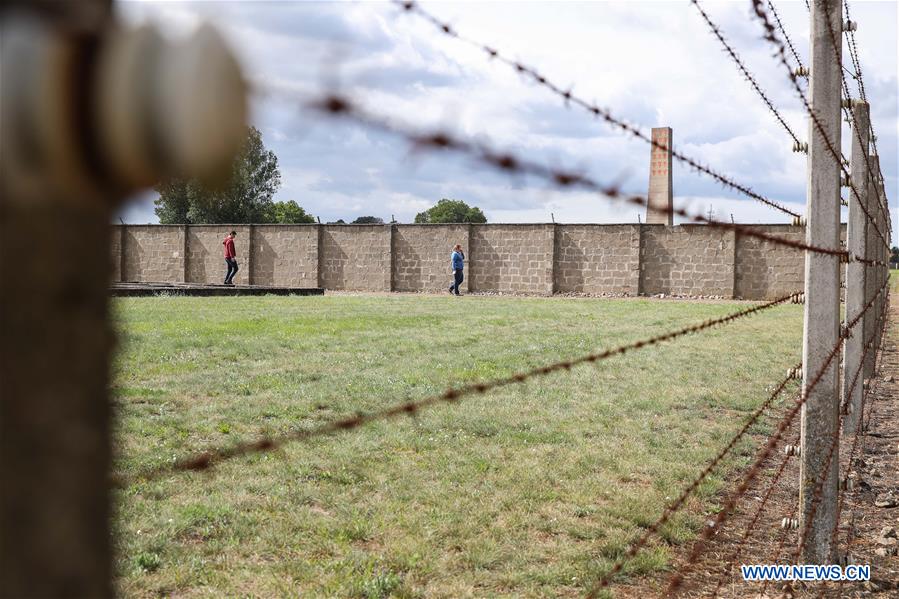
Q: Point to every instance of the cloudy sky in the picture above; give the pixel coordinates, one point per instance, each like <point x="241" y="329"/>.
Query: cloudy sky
<point x="651" y="63"/>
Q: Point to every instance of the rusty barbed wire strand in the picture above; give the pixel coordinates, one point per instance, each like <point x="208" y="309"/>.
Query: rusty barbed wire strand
<point x="212" y="456"/>
<point x="859" y="427"/>
<point x="677" y="578"/>
<point x="844" y="486"/>
<point x="850" y="119"/>
<point x="853" y="54"/>
<point x="780" y="54"/>
<point x="881" y="322"/>
<point x="716" y="31"/>
<point x="853" y="126"/>
<point x="504" y="161"/>
<point x="784" y="533"/>
<point x="570" y="98"/>
<point x="818" y="488"/>
<point x="855" y="63"/>
<point x="750" y="526"/>
<point x="678" y="503"/>
<point x="337" y="105"/>
<point x="849" y="116"/>
<point x="784" y="32"/>
<point x="440" y="140"/>
<point x="771" y="36"/>
<point x="879" y="356"/>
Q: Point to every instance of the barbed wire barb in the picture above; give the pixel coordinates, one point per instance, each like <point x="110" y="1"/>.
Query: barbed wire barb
<point x="565" y="93"/>
<point x="716" y="31"/>
<point x="210" y="457"/>
<point x="508" y="162"/>
<point x="677" y="579"/>
<point x="780" y="53"/>
<point x="783" y="32"/>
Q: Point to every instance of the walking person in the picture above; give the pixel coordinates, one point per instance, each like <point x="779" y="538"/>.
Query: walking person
<point x="230" y="257"/>
<point x="458" y="263"/>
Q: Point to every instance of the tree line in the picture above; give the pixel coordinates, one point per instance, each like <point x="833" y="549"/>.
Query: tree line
<point x="247" y="196"/>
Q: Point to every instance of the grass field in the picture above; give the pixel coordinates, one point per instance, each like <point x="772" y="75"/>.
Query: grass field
<point x="532" y="490"/>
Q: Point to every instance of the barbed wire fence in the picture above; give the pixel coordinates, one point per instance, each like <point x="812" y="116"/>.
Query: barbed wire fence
<point x="817" y="375"/>
<point x="866" y="204"/>
<point x="833" y="349"/>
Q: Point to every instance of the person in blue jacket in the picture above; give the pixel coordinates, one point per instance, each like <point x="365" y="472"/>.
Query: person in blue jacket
<point x="458" y="263"/>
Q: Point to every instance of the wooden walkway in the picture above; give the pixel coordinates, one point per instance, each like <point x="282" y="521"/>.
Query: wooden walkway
<point x="193" y="289"/>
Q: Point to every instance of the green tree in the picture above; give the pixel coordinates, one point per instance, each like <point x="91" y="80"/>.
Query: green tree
<point x="289" y="213"/>
<point x="451" y="211"/>
<point x="245" y="198"/>
<point x="894" y="254"/>
<point x="173" y="210"/>
<point x="368" y="220"/>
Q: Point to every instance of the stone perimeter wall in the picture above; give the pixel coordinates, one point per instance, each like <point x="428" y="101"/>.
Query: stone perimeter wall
<point x="518" y="258"/>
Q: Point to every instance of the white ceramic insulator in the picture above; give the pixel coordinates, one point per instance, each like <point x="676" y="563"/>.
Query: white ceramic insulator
<point x="81" y="119"/>
<point x="203" y="96"/>
<point x="168" y="109"/>
<point x="126" y="78"/>
<point x="41" y="154"/>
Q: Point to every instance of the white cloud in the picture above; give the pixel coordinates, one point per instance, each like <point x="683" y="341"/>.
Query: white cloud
<point x="652" y="63"/>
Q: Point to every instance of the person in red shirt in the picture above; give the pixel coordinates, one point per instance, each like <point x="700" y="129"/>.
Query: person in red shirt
<point x="230" y="257"/>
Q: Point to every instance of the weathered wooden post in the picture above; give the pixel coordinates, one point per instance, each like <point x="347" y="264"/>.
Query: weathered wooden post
<point x="78" y="131"/>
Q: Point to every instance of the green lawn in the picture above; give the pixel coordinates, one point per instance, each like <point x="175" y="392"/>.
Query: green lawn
<point x="531" y="490"/>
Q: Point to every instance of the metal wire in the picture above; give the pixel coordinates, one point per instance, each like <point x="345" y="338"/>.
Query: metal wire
<point x="569" y="98"/>
<point x="784" y="33"/>
<point x="508" y="162"/>
<point x="850" y="118"/>
<point x="844" y="487"/>
<point x="853" y="52"/>
<point x="818" y="489"/>
<point x="678" y="503"/>
<point x="780" y="53"/>
<point x="742" y="68"/>
<point x="210" y="457"/>
<point x="858" y="427"/>
<point x="677" y="579"/>
<point x="750" y="526"/>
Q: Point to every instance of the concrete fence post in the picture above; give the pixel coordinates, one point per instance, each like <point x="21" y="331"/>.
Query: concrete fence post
<point x="856" y="272"/>
<point x="883" y="255"/>
<point x="872" y="282"/>
<point x="820" y="412"/>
